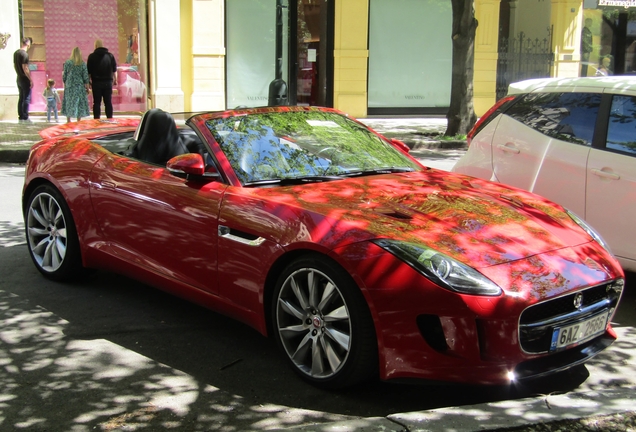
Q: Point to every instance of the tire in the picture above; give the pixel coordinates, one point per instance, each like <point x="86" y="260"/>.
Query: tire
<point x="326" y="333"/>
<point x="51" y="235"/>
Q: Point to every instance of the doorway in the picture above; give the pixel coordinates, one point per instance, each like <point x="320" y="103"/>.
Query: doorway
<point x="311" y="52"/>
<point x="289" y="46"/>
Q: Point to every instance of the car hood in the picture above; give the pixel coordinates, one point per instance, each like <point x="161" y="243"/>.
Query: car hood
<point x="475" y="221"/>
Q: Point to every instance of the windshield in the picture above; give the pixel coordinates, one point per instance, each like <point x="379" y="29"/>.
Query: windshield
<point x="312" y="145"/>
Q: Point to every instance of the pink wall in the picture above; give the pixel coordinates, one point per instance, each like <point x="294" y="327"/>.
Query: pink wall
<point x="71" y="23"/>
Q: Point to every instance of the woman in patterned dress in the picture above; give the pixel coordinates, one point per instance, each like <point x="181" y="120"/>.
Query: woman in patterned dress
<point x="75" y="77"/>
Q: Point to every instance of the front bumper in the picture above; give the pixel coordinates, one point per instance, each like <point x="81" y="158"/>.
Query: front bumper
<point x="428" y="332"/>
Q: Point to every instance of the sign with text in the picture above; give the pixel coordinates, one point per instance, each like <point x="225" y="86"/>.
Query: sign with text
<point x="617" y="3"/>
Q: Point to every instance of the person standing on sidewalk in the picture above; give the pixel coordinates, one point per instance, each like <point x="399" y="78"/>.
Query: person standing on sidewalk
<point x="102" y="71"/>
<point x="75" y="77"/>
<point x="25" y="83"/>
<point x="52" y="100"/>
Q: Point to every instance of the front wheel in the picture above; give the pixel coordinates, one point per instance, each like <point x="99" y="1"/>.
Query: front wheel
<point x="323" y="324"/>
<point x="51" y="235"/>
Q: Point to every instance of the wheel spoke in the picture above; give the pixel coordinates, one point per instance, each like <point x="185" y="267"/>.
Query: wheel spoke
<point x="337" y="315"/>
<point x="339" y="337"/>
<point x="39" y="217"/>
<point x="59" y="216"/>
<point x="42" y="246"/>
<point x="293" y="331"/>
<point x="332" y="357"/>
<point x="302" y="349"/>
<point x="327" y="295"/>
<point x="60" y="248"/>
<point x="298" y="293"/>
<point x="312" y="282"/>
<point x="292" y="309"/>
<point x="37" y="232"/>
<point x="47" y="257"/>
<point x="317" y="365"/>
<point x="56" y="256"/>
<point x="44" y="207"/>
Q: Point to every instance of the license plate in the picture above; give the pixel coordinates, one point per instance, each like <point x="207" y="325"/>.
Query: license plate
<point x="582" y="331"/>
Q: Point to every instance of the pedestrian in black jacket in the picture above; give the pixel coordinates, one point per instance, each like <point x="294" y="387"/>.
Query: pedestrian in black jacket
<point x="102" y="72"/>
<point x="25" y="83"/>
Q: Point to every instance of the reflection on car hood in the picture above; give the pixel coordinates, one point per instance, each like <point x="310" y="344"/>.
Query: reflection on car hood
<point x="477" y="222"/>
<point x="91" y="125"/>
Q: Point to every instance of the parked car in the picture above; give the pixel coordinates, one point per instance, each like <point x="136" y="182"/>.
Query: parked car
<point x="572" y="140"/>
<point x="315" y="230"/>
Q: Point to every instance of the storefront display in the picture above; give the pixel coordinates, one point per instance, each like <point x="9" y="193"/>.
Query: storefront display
<point x="608" y="38"/>
<point x="56" y="28"/>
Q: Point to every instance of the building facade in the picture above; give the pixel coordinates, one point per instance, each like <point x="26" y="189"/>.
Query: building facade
<point x="364" y="57"/>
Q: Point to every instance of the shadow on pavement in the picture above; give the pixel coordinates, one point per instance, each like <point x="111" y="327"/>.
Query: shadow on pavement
<point x="109" y="352"/>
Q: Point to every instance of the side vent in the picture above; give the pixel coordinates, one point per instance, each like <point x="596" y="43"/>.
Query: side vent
<point x="431" y="330"/>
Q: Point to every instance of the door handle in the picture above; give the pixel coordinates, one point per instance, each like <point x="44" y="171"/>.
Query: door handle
<point x="109" y="185"/>
<point x="606" y="174"/>
<point x="508" y="148"/>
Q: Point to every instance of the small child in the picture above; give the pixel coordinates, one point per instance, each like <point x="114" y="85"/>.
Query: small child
<point x="52" y="100"/>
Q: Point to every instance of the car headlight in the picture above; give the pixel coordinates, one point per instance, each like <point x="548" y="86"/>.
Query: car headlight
<point x="441" y="269"/>
<point x="588" y="229"/>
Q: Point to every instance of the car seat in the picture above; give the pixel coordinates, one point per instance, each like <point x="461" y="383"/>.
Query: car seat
<point x="159" y="139"/>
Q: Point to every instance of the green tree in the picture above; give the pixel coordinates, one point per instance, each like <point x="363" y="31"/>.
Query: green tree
<point x="461" y="114"/>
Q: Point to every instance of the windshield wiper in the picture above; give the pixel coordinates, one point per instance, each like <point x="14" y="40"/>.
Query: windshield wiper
<point x="292" y="180"/>
<point x="376" y="171"/>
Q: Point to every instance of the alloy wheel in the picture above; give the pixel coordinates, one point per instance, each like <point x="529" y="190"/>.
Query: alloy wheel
<point x="46" y="232"/>
<point x="313" y="323"/>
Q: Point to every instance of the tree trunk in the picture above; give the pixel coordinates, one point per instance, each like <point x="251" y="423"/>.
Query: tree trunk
<point x="461" y="114"/>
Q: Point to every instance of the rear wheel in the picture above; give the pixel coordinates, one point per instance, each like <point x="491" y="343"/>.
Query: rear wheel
<point x="51" y="235"/>
<point x="323" y="324"/>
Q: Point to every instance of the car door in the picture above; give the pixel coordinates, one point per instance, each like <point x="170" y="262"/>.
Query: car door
<point x="611" y="181"/>
<point x="542" y="145"/>
<point x="158" y="221"/>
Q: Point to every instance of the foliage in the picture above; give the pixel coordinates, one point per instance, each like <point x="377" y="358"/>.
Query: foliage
<point x="306" y="143"/>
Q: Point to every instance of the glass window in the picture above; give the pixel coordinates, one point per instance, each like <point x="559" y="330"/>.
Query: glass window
<point x="251" y="55"/>
<point x="418" y="74"/>
<point x="608" y="40"/>
<point x="565" y="116"/>
<point x="289" y="145"/>
<point x="621" y="131"/>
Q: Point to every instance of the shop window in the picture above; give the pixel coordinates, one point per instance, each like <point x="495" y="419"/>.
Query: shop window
<point x="56" y="28"/>
<point x="608" y="41"/>
<point x="410" y="55"/>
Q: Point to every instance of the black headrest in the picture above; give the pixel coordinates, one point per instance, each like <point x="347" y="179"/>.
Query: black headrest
<point x="159" y="140"/>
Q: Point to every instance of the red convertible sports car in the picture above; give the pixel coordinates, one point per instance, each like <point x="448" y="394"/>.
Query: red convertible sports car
<point x="315" y="230"/>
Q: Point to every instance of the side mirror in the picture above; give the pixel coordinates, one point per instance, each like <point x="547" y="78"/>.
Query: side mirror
<point x="400" y="145"/>
<point x="190" y="166"/>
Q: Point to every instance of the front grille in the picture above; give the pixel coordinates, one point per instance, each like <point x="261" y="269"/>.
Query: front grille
<point x="537" y="322"/>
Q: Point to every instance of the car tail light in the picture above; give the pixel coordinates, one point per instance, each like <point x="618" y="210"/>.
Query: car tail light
<point x="487" y="117"/>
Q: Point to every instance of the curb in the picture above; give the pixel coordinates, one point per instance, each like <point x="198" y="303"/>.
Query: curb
<point x="440" y="145"/>
<point x="508" y="415"/>
<point x="14" y="156"/>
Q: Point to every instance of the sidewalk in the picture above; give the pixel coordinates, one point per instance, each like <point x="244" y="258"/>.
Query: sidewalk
<point x="17" y="138"/>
